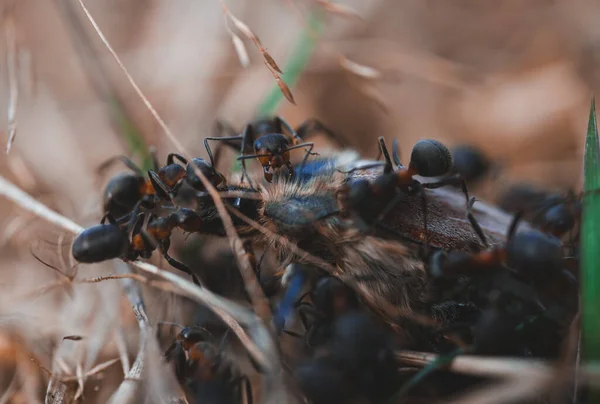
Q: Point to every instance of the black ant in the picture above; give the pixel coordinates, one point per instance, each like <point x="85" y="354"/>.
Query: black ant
<point x="330" y="298"/>
<point x="531" y="253"/>
<point x="269" y="143"/>
<point x="372" y="201"/>
<point x="550" y="212"/>
<point x="204" y="371"/>
<point x="107" y="241"/>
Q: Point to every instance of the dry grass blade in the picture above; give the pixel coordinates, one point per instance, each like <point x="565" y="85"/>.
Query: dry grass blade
<point x="339" y="9"/>
<point x="365" y="72"/>
<point x="270" y="61"/>
<point x="481" y="366"/>
<point x="93" y="371"/>
<point x="271" y="360"/>
<point x="512" y="390"/>
<point x="284" y="89"/>
<point x="11" y="68"/>
<point x="122" y="348"/>
<point x="240" y="50"/>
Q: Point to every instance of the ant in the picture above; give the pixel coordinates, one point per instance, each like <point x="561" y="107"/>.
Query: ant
<point x="532" y="253"/>
<point x="372" y="201"/>
<point x="107" y="241"/>
<point x="269" y="143"/>
<point x="203" y="369"/>
<point x="330" y="298"/>
<point x="552" y="213"/>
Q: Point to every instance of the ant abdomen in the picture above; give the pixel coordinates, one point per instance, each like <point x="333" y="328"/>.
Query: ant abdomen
<point x="99" y="243"/>
<point x="431" y="158"/>
<point x="122" y="193"/>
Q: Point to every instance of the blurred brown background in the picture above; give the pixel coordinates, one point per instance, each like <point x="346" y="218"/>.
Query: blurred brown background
<point x="512" y="77"/>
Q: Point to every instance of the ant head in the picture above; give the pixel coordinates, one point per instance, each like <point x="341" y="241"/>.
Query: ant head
<point x="559" y="219"/>
<point x="186" y="219"/>
<point x="534" y="253"/>
<point x="469" y="162"/>
<point x="209" y="172"/>
<point x="171" y="174"/>
<point x="430" y="158"/>
<point x="190" y="336"/>
<point x="272" y="150"/>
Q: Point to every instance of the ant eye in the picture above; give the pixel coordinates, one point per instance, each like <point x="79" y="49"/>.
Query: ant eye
<point x="431" y="158"/>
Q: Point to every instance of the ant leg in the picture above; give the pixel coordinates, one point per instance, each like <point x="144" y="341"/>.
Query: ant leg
<point x="388" y="168"/>
<point x="312" y="126"/>
<point x="247" y="135"/>
<point x="308" y="152"/>
<point x="474" y="224"/>
<point x="293" y="334"/>
<point x="281" y="123"/>
<point x="221" y="139"/>
<point x="306" y="310"/>
<point x="125" y="160"/>
<point x="514" y="224"/>
<point x="396" y="153"/>
<point x="110" y="219"/>
<point x="162" y="190"/>
<point x="172" y="156"/>
<point x="181" y="266"/>
<point x="178" y="264"/>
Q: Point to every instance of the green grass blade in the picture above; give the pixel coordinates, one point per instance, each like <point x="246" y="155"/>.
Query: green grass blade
<point x="297" y="62"/>
<point x="590" y="244"/>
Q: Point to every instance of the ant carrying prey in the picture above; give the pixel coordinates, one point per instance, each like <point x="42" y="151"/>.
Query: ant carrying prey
<point x="269" y="143"/>
<point x="372" y="201"/>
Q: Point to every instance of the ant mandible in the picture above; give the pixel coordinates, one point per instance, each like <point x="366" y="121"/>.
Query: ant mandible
<point x="270" y="145"/>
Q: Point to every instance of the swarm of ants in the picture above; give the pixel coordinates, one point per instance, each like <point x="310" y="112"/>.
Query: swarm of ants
<point x="410" y="260"/>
